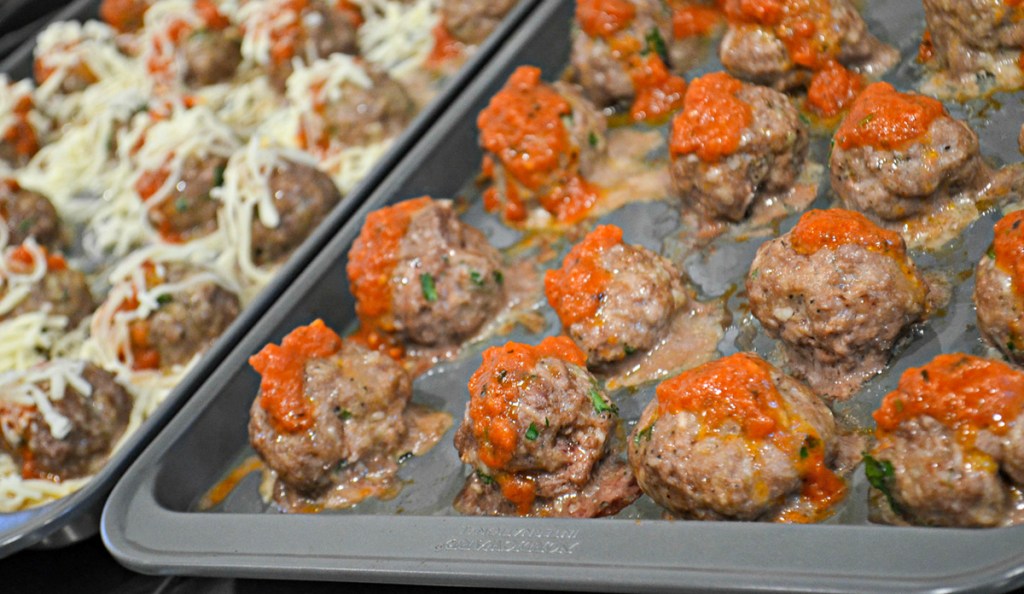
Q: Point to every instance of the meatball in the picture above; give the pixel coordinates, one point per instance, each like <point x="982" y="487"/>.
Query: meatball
<point x="537" y="433"/>
<point x="365" y="106"/>
<point x="470" y="21"/>
<point x="324" y="405"/>
<point x="542" y="141"/>
<point x="900" y="155"/>
<point x="303" y="195"/>
<point x="733" y="143"/>
<point x="184" y="210"/>
<point x="614" y="299"/>
<point x="999" y="288"/>
<point x="74" y="437"/>
<point x="67" y="56"/>
<point x="211" y="56"/>
<point x="168" y="312"/>
<point x="34" y="280"/>
<point x="280" y="32"/>
<point x="773" y="49"/>
<point x="736" y="439"/>
<point x="972" y="38"/>
<point x="950" y="445"/>
<point x="19" y="137"/>
<point x="419" y="273"/>
<point x="29" y="214"/>
<point x="619" y="48"/>
<point x="838" y="291"/>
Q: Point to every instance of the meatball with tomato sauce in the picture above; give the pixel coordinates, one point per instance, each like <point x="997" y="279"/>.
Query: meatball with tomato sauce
<point x="838" y="291"/>
<point x="541" y="143"/>
<point x="999" y="288"/>
<point x="183" y="209"/>
<point x="614" y="299"/>
<point x="537" y="433"/>
<point x="737" y="439"/>
<point x="471" y="21"/>
<point x="974" y="39"/>
<point x="418" y="273"/>
<point x="279" y="33"/>
<point x="620" y="56"/>
<point x="162" y="314"/>
<point x="195" y="45"/>
<point x="950" y="445"/>
<point x="330" y="420"/>
<point x="734" y="143"/>
<point x="899" y="156"/>
<point x="29" y="214"/>
<point x="19" y="135"/>
<point x="62" y="418"/>
<point x="788" y="45"/>
<point x="34" y="280"/>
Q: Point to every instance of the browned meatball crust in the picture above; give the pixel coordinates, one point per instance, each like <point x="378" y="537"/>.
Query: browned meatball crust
<point x="768" y="160"/>
<point x="30" y="214"/>
<point x="972" y="37"/>
<point x="997" y="297"/>
<point x="324" y="30"/>
<point x="189" y="211"/>
<point x="211" y="57"/>
<point x="701" y="471"/>
<point x="96" y="421"/>
<point x="838" y="310"/>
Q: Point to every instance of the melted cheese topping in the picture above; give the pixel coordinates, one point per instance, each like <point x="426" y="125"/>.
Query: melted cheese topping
<point x="398" y="37"/>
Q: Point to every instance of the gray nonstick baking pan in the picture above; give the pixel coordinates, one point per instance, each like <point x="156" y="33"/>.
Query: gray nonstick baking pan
<point x="152" y="522"/>
<point x="77" y="516"/>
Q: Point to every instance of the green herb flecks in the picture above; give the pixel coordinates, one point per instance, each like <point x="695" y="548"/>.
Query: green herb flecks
<point x="644" y="434"/>
<point x="629" y="349"/>
<point x="218" y="176"/>
<point x="485" y="478"/>
<point x="532" y="433"/>
<point x="476" y="278"/>
<point x="429" y="289"/>
<point x="342" y="413"/>
<point x="865" y="120"/>
<point x="164" y="298"/>
<point x="600" y="404"/>
<point x="991" y="253"/>
<point x="592" y="139"/>
<point x="499" y="277"/>
<point x="181" y="204"/>
<point x="655" y="43"/>
<point x="880" y="475"/>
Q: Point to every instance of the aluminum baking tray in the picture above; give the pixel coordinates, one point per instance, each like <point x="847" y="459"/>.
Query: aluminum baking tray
<point x="77" y="516"/>
<point x="152" y="522"/>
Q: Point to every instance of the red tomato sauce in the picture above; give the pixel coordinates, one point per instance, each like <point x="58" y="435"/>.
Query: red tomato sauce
<point x="575" y="291"/>
<point x="713" y="118"/>
<point x="282" y="369"/>
<point x="21" y="133"/>
<point x="833" y="89"/>
<point x="886" y="119"/>
<point x="658" y="92"/>
<point x="804" y="26"/>
<point x="962" y="392"/>
<point x="374" y="256"/>
<point x="835" y="227"/>
<point x="1008" y="246"/>
<point x="695" y="20"/>
<point x="494" y="391"/>
<point x="445" y="47"/>
<point x="603" y="18"/>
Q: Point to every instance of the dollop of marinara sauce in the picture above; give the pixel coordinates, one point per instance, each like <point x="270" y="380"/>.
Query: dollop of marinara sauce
<point x="962" y="392"/>
<point x="602" y="18"/>
<point x="713" y="118"/>
<point x="833" y="89"/>
<point x="804" y="26"/>
<point x="885" y="119"/>
<point x="835" y="227"/>
<point x="692" y="20"/>
<point x="373" y="257"/>
<point x="1008" y="247"/>
<point x="282" y="392"/>
<point x="494" y="391"/>
<point x="576" y="290"/>
<point x="739" y="389"/>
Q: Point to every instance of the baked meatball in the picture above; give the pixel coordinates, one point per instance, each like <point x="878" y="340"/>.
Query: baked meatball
<point x="838" y="291"/>
<point x="29" y="214"/>
<point x="19" y="136"/>
<point x="71" y="56"/>
<point x="303" y="195"/>
<point x="183" y="209"/>
<point x="192" y="44"/>
<point x="541" y="143"/>
<point x="536" y="434"/>
<point x="733" y="143"/>
<point x="163" y="314"/>
<point x="613" y="298"/>
<point x="620" y="56"/>
<point x="471" y="21"/>
<point x="325" y="408"/>
<point x="972" y="39"/>
<point x="737" y="439"/>
<point x="346" y="103"/>
<point x="61" y="419"/>
<point x="950" y="445"/>
<point x="420" y="274"/>
<point x="783" y="44"/>
<point x="900" y="155"/>
<point x="211" y="56"/>
<point x="35" y="280"/>
<point x="279" y="33"/>
<point x="999" y="288"/>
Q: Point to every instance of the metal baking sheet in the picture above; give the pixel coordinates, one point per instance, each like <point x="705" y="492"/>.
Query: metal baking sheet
<point x="152" y="524"/>
<point x="77" y="516"/>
